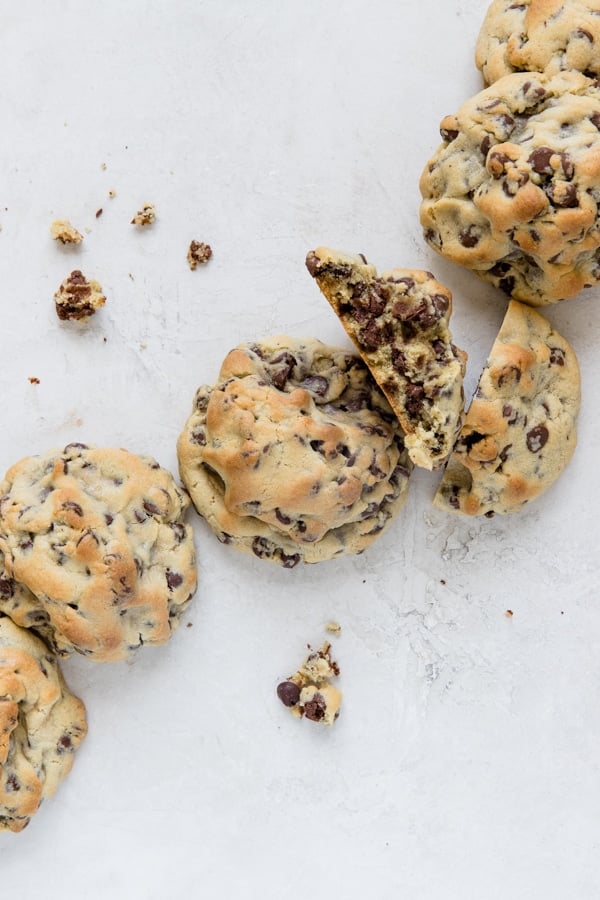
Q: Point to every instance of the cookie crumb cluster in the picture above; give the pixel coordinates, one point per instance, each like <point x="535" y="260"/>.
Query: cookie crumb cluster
<point x="308" y="692"/>
<point x="145" y="216"/>
<point x="198" y="254"/>
<point x="78" y="298"/>
<point x="62" y="230"/>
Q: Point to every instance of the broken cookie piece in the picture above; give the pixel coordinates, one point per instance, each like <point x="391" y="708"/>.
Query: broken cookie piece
<point x="145" y="216"/>
<point x="198" y="253"/>
<point x="399" y="323"/>
<point x="62" y="230"/>
<point x="308" y="692"/>
<point x="78" y="298"/>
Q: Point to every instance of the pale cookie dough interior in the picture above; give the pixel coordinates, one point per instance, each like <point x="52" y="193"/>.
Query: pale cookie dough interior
<point x="399" y="324"/>
<point x="539" y="36"/>
<point x="308" y="692"/>
<point x="97" y="536"/>
<point x="520" y="430"/>
<point x="513" y="192"/>
<point x="41" y="725"/>
<point x="294" y="455"/>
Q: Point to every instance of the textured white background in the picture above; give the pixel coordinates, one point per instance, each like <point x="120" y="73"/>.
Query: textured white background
<point x="465" y="764"/>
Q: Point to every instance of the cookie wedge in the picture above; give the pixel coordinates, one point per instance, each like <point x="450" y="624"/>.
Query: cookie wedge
<point x="520" y="429"/>
<point x="399" y="323"/>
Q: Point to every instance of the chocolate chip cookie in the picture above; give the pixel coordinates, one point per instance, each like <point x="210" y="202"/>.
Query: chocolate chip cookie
<point x="539" y="36"/>
<point x="520" y="430"/>
<point x="97" y="538"/>
<point x="513" y="191"/>
<point x="399" y="324"/>
<point x="294" y="454"/>
<point x="41" y="725"/>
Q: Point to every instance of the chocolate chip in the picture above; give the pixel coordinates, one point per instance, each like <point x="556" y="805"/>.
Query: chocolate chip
<point x="261" y="548"/>
<point x="563" y="194"/>
<point x="288" y="693"/>
<point x="316" y="708"/>
<point x="399" y="360"/>
<point x="12" y="783"/>
<point x="151" y="508"/>
<point x="281" y="517"/>
<point x="64" y="743"/>
<point x="583" y="33"/>
<point x="449" y="134"/>
<point x="6" y="588"/>
<point x="557" y="356"/>
<point x="290" y="560"/>
<point x="540" y="160"/>
<point x="415" y="394"/>
<point x="174" y="579"/>
<point x="468" y="237"/>
<point x="485" y="145"/>
<point x="537" y="438"/>
<point x="313" y="263"/>
<point x="316" y="384"/>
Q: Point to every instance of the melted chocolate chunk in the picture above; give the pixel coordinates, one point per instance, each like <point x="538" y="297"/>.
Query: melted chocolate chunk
<point x="288" y="693"/>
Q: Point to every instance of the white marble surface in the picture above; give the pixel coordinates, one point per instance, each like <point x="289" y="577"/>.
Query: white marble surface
<point x="465" y="764"/>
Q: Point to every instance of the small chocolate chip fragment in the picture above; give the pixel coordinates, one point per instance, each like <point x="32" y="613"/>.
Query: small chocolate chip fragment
<point x="288" y="693"/>
<point x="316" y="708"/>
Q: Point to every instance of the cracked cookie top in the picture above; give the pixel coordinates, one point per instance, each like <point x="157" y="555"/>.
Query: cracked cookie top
<point x="41" y="725"/>
<point x="513" y="190"/>
<point x="97" y="538"/>
<point x="539" y="36"/>
<point x="294" y="454"/>
<point x="520" y="430"/>
<point x="399" y="324"/>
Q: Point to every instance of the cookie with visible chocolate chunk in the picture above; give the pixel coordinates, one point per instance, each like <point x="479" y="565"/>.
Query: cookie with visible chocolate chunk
<point x="41" y="725"/>
<point x="78" y="298"/>
<point x="294" y="454"/>
<point x="97" y="556"/>
<point x="520" y="430"/>
<point x="539" y="36"/>
<point x="308" y="692"/>
<point x="399" y="324"/>
<point x="513" y="192"/>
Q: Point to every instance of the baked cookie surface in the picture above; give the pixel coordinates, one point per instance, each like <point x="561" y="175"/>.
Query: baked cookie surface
<point x="399" y="324"/>
<point x="41" y="725"/>
<point x="520" y="430"/>
<point x="539" y="36"/>
<point x="513" y="191"/>
<point x="97" y="538"/>
<point x="294" y="454"/>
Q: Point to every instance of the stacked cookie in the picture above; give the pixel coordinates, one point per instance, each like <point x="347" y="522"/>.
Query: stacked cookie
<point x="95" y="558"/>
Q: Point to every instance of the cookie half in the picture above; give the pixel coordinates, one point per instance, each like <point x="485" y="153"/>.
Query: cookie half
<point x="97" y="556"/>
<point x="520" y="430"/>
<point x="41" y="725"/>
<point x="399" y="324"/>
<point x="539" y="36"/>
<point x="513" y="191"/>
<point x="294" y="454"/>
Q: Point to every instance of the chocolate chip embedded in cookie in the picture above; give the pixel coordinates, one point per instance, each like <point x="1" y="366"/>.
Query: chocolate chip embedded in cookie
<point x="295" y="454"/>
<point x="78" y="298"/>
<point x="41" y="725"/>
<point x="97" y="538"/>
<point x="513" y="191"/>
<point x="539" y="36"/>
<point x="308" y="691"/>
<point x="399" y="324"/>
<point x="520" y="430"/>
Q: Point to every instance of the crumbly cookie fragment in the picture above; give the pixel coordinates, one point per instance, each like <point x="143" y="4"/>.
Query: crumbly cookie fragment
<point x="308" y="691"/>
<point x="97" y="539"/>
<point x="198" y="254"/>
<point x="41" y="725"/>
<point x="513" y="192"/>
<point x="62" y="230"/>
<point x="78" y="298"/>
<point x="539" y="36"/>
<point x="520" y="430"/>
<point x="295" y="454"/>
<point x="145" y="216"/>
<point x="399" y="324"/>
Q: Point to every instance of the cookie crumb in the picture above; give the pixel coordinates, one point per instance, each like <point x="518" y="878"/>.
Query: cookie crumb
<point x="62" y="230"/>
<point x="103" y="166"/>
<point x="333" y="627"/>
<point x="308" y="693"/>
<point x="198" y="253"/>
<point x="112" y="193"/>
<point x="33" y="380"/>
<point x="509" y="613"/>
<point x="99" y="212"/>
<point x="189" y="625"/>
<point x="78" y="298"/>
<point x="145" y="216"/>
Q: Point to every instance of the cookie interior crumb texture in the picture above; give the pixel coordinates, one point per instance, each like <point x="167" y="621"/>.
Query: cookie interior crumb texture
<point x="308" y="692"/>
<point x="198" y="254"/>
<point x="399" y="324"/>
<point x="62" y="230"/>
<point x="78" y="298"/>
<point x="520" y="430"/>
<point x="294" y="454"/>
<point x="41" y="725"/>
<point x="145" y="216"/>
